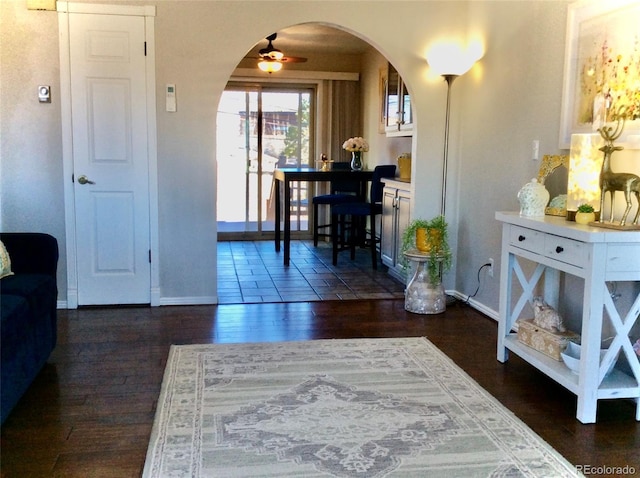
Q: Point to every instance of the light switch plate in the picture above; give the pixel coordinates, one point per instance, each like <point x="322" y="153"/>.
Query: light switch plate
<point x="41" y="5"/>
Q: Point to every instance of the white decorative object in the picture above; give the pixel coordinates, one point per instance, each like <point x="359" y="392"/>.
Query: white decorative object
<point x="571" y="358"/>
<point x="546" y="316"/>
<point x="422" y="295"/>
<point x="533" y="199"/>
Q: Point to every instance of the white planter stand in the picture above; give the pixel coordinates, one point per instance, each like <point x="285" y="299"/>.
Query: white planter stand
<point x="421" y="296"/>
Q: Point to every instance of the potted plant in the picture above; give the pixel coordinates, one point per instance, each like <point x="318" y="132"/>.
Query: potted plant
<point x="585" y="214"/>
<point x="429" y="237"/>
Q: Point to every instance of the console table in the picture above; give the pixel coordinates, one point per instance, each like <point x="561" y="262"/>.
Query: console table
<point x="598" y="256"/>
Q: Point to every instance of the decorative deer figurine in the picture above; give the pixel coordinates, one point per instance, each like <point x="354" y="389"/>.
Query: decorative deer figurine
<point x="611" y="182"/>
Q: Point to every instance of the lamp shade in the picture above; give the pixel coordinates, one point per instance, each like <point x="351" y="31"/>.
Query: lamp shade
<point x="449" y="58"/>
<point x="585" y="161"/>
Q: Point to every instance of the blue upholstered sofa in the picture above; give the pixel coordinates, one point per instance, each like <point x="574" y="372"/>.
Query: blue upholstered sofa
<point x="28" y="312"/>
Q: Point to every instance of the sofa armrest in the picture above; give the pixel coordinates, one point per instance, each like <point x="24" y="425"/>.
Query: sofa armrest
<point x="32" y="252"/>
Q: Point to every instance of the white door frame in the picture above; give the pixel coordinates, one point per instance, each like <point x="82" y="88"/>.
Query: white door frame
<point x="148" y="12"/>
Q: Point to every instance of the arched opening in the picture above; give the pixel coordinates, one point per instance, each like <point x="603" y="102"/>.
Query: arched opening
<point x="324" y="94"/>
<point x="344" y="79"/>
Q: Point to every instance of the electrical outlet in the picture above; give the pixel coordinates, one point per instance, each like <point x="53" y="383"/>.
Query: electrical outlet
<point x="490" y="271"/>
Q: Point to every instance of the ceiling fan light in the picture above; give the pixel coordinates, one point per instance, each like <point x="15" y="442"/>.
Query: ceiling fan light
<point x="269" y="66"/>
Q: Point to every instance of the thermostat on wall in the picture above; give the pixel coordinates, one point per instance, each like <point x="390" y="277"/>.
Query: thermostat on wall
<point x="171" y="98"/>
<point x="44" y="94"/>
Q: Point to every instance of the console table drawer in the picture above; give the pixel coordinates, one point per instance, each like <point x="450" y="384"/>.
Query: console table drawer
<point x="566" y="250"/>
<point x="554" y="247"/>
<point x="527" y="239"/>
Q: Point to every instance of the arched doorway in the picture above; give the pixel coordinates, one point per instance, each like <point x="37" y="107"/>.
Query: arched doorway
<point x="280" y="120"/>
<point x="360" y="65"/>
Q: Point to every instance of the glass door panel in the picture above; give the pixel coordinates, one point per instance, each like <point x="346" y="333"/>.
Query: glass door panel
<point x="259" y="130"/>
<point x="392" y="108"/>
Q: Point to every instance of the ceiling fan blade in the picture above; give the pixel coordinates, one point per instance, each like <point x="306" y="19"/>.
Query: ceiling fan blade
<point x="293" y="59"/>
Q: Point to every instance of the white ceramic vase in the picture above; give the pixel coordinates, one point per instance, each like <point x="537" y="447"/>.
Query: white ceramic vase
<point x="533" y="199"/>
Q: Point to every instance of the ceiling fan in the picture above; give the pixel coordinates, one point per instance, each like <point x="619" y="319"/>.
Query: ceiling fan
<point x="271" y="59"/>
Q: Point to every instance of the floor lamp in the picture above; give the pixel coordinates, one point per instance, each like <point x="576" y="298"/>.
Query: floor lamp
<point x="450" y="61"/>
<point x="449" y="78"/>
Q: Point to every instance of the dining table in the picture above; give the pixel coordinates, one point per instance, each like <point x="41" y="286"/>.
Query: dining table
<point x="283" y="177"/>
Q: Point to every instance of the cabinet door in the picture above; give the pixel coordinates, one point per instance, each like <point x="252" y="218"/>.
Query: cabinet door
<point x="392" y="103"/>
<point x="403" y="217"/>
<point x="387" y="234"/>
<point x="406" y="114"/>
<point x="398" y="114"/>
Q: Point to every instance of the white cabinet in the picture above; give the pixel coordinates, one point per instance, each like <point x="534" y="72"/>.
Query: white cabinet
<point x="396" y="204"/>
<point x="398" y="114"/>
<point x="597" y="255"/>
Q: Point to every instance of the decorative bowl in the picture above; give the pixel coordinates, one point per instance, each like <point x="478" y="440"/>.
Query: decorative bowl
<point x="571" y="358"/>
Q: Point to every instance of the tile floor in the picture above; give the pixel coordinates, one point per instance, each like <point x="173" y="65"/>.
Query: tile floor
<point x="250" y="272"/>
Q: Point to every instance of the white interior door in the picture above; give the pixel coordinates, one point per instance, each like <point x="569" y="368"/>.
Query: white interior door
<point x="110" y="158"/>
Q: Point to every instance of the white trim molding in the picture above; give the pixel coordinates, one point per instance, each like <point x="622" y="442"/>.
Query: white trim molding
<point x="103" y="9"/>
<point x="203" y="300"/>
<point x="64" y="9"/>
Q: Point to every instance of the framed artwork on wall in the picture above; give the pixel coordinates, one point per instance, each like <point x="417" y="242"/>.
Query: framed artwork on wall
<point x="602" y="69"/>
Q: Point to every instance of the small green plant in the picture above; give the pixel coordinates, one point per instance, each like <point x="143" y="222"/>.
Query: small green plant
<point x="585" y="208"/>
<point x="436" y="241"/>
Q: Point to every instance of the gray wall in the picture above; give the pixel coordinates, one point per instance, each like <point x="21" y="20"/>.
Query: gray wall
<point x="515" y="99"/>
<point x="510" y="98"/>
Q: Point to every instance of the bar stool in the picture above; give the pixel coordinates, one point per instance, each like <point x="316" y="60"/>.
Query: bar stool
<point x="341" y="191"/>
<point x="346" y="235"/>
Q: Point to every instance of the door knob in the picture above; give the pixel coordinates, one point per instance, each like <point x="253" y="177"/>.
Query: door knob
<point x="85" y="180"/>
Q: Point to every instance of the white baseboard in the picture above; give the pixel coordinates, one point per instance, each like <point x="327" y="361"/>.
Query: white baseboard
<point x="213" y="300"/>
<point x="480" y="307"/>
<point x="204" y="300"/>
<point x="63" y="304"/>
<point x="155" y="297"/>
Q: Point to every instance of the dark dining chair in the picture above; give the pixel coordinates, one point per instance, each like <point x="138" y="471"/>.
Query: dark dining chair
<point x="342" y="190"/>
<point x="347" y="234"/>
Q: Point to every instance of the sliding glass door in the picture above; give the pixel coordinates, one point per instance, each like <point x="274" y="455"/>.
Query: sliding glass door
<point x="259" y="129"/>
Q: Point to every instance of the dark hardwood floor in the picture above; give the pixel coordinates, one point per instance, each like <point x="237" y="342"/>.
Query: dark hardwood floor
<point x="89" y="413"/>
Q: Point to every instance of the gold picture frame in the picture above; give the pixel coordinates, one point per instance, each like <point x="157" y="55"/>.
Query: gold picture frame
<point x="551" y="165"/>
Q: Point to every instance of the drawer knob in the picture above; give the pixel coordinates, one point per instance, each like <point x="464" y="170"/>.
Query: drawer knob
<point x="521" y="238"/>
<point x="559" y="249"/>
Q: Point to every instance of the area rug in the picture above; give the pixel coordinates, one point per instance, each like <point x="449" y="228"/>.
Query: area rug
<point x="335" y="408"/>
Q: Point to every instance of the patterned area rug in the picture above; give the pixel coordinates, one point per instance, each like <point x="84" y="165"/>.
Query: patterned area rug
<point x="335" y="408"/>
